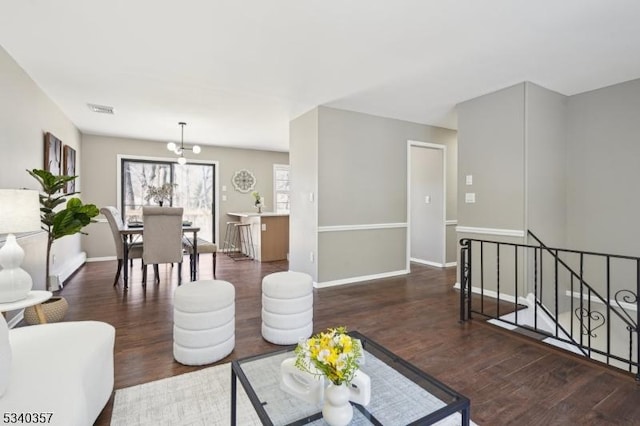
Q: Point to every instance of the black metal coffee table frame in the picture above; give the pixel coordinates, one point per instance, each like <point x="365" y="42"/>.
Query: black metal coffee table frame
<point x="457" y="402"/>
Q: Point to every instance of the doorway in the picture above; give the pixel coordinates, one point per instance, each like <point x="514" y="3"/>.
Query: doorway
<point x="426" y="203"/>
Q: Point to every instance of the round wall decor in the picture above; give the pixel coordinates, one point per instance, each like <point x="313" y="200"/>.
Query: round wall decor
<point x="243" y="180"/>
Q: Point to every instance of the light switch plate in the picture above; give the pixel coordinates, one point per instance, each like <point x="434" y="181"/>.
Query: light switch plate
<point x="427" y="199"/>
<point x="468" y="179"/>
<point x="470" y="197"/>
<point x="224" y="187"/>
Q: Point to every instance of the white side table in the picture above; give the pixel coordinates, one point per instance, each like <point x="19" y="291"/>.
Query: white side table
<point x="34" y="298"/>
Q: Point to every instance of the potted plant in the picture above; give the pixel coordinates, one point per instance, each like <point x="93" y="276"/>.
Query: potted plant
<point x="60" y="222"/>
<point x="258" y="200"/>
<point x="160" y="193"/>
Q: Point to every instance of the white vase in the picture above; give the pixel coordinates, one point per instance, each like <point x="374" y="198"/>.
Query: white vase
<point x="337" y="411"/>
<point x="360" y="389"/>
<point x="301" y="384"/>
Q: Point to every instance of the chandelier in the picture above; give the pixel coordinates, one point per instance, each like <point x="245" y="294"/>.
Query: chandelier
<point x="171" y="146"/>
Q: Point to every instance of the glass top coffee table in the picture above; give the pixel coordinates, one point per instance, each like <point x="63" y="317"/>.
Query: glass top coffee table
<point x="401" y="394"/>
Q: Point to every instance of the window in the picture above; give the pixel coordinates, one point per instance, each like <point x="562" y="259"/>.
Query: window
<point x="281" y="188"/>
<point x="194" y="190"/>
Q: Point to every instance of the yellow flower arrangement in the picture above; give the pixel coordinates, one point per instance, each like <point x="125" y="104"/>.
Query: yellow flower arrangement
<point x="333" y="353"/>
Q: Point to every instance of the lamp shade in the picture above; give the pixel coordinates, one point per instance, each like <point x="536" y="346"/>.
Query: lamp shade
<point x="19" y="211"/>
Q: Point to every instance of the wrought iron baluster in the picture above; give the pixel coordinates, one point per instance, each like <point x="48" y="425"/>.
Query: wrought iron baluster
<point x="482" y="277"/>
<point x="464" y="252"/>
<point x="629" y="297"/>
<point x="469" y="279"/>
<point x="515" y="301"/>
<point x="581" y="318"/>
<point x="498" y="279"/>
<point x="608" y="319"/>
<point x="535" y="288"/>
<point x="556" y="293"/>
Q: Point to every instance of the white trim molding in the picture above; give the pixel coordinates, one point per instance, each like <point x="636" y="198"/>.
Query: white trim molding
<point x="450" y="264"/>
<point x="489" y="293"/>
<point x="363" y="227"/>
<point x="101" y="259"/>
<point x="451" y="222"/>
<point x="59" y="276"/>
<point x="360" y="279"/>
<point x="491" y="231"/>
<point x="427" y="262"/>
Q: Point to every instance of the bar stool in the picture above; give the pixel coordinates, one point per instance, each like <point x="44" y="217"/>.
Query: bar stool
<point x="230" y="238"/>
<point x="245" y="242"/>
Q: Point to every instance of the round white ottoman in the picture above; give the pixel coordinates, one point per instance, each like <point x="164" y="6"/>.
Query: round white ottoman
<point x="287" y="307"/>
<point x="203" y="321"/>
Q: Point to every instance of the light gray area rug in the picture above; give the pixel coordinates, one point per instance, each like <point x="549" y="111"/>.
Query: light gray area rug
<point x="202" y="397"/>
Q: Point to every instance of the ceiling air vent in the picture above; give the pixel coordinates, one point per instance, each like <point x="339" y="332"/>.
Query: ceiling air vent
<point x="103" y="109"/>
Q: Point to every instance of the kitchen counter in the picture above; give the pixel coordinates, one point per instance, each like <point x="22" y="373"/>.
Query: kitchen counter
<point x="269" y="232"/>
<point x="256" y="214"/>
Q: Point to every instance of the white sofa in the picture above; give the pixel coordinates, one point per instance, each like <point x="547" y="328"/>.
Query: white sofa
<point x="64" y="368"/>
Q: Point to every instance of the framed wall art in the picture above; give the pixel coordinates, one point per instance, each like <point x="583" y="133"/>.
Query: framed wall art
<point x="69" y="167"/>
<point x="52" y="154"/>
<point x="243" y="180"/>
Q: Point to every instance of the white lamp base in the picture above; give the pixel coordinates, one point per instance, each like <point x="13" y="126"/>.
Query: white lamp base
<point x="15" y="282"/>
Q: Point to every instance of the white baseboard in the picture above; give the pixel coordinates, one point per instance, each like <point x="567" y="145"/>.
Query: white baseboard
<point x="101" y="259"/>
<point x="436" y="264"/>
<point x="489" y="293"/>
<point x="63" y="273"/>
<point x="360" y="279"/>
<point x="426" y="262"/>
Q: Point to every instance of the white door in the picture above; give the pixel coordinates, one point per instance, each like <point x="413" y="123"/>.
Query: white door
<point x="426" y="199"/>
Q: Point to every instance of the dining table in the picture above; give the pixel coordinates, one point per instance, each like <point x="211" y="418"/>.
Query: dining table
<point x="128" y="231"/>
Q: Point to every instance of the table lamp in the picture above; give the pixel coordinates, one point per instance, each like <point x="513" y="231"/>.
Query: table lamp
<point x="19" y="212"/>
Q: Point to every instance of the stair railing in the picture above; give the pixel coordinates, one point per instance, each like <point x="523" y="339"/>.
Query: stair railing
<point x="492" y="284"/>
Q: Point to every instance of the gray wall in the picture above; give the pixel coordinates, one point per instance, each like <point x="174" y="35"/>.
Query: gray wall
<point x="546" y="158"/>
<point x="491" y="149"/>
<point x="303" y="221"/>
<point x="580" y="168"/>
<point x="100" y="179"/>
<point x="513" y="144"/>
<point x="26" y="114"/>
<point x="362" y="180"/>
<point x="603" y="170"/>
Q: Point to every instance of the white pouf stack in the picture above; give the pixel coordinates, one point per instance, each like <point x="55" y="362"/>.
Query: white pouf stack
<point x="203" y="321"/>
<point x="287" y="307"/>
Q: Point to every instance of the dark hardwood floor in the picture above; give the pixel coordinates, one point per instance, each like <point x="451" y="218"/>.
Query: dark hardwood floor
<point x="510" y="379"/>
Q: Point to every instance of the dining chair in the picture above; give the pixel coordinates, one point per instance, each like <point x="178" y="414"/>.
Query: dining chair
<point x="116" y="224"/>
<point x="204" y="246"/>
<point x="162" y="239"/>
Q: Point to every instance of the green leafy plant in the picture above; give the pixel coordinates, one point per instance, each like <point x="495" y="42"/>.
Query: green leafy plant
<point x="257" y="198"/>
<point x="58" y="223"/>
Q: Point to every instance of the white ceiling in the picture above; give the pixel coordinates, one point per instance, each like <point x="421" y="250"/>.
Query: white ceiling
<point x="237" y="71"/>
